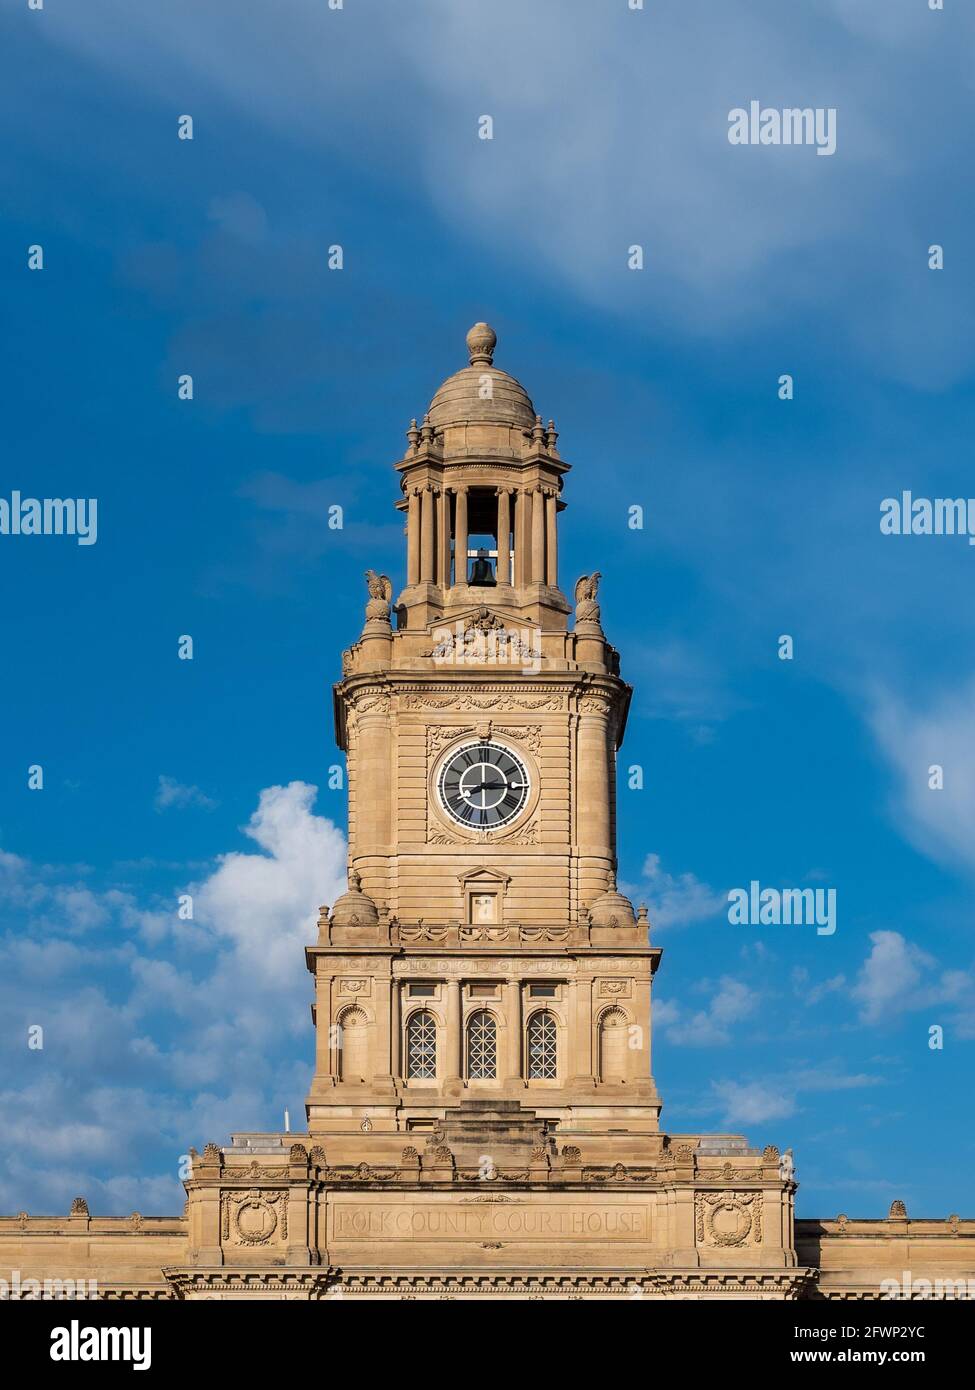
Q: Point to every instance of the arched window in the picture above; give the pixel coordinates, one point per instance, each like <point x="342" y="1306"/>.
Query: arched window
<point x="542" y="1046"/>
<point x="612" y="1046"/>
<point x="421" y="1046"/>
<point x="482" y="1047"/>
<point x="353" y="1045"/>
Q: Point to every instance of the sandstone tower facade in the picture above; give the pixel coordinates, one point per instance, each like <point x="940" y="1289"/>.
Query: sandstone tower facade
<point x="483" y="1120"/>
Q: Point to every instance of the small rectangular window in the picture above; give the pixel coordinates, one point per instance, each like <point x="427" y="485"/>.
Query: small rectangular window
<point x="483" y="991"/>
<point x="543" y="991"/>
<point x="422" y="991"/>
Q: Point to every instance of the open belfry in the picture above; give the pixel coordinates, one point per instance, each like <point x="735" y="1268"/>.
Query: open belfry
<point x="483" y="1120"/>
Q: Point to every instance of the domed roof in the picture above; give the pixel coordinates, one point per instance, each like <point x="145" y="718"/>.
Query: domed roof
<point x="611" y="909"/>
<point x="461" y="397"/>
<point x="355" y="908"/>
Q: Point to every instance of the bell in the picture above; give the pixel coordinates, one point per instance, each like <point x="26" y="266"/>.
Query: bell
<point x="482" y="573"/>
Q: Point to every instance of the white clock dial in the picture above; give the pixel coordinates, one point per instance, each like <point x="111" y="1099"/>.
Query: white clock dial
<point x="483" y="785"/>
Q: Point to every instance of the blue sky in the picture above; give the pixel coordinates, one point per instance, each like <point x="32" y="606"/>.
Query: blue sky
<point x="359" y="127"/>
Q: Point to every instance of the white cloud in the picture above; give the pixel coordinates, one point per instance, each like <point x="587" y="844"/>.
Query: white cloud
<point x="620" y="134"/>
<point x="266" y="905"/>
<point x="171" y="793"/>
<point x="890" y="975"/>
<point x="897" y="977"/>
<point x="677" y="900"/>
<point x="941" y="823"/>
<point x="732" y="1002"/>
<point x="190" y="1030"/>
<point x="755" y="1102"/>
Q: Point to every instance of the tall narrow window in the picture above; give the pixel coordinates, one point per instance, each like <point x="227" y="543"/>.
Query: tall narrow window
<point x="421" y="1047"/>
<point x="542" y="1058"/>
<point x="612" y="1046"/>
<point x="482" y="1047"/>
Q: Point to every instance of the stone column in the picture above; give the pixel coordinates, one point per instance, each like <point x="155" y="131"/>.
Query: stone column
<point x="460" y="537"/>
<point x="372" y="771"/>
<point x="395" y="1030"/>
<point x="454" y="1041"/>
<point x="413" y="538"/>
<point x="538" y="537"/>
<point x="551" y="539"/>
<point x="581" y="1064"/>
<point x="504" y="536"/>
<point x="521" y="503"/>
<point x="512" y="1014"/>
<point x="443" y="538"/>
<point x="593" y="800"/>
<point x="426" y="534"/>
<point x="323" y="1024"/>
<point x="638" y="1058"/>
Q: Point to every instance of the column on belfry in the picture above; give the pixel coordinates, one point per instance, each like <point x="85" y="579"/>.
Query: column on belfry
<point x="453" y="1041"/>
<point x="551" y="538"/>
<point x="426" y="534"/>
<point x="521" y="503"/>
<point x="460" y="537"/>
<point x="413" y="538"/>
<point x="504" y="536"/>
<point x="538" y="537"/>
<point x="443" y="538"/>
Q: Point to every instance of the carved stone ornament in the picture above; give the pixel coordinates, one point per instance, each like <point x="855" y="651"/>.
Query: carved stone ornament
<point x="380" y="595"/>
<point x="501" y="701"/>
<point x="728" y="1219"/>
<point x="486" y="637"/>
<point x="439" y="735"/>
<point x="254" y="1217"/>
<point x="587" y="609"/>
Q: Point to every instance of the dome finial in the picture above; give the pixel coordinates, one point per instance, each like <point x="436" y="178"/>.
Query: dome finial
<point x="481" y="342"/>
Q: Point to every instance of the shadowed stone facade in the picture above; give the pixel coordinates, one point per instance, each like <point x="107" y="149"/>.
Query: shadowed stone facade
<point x="483" y="1119"/>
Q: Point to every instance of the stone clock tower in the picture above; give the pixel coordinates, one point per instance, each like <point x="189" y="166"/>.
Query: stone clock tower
<point x="482" y="1119"/>
<point x="483" y="953"/>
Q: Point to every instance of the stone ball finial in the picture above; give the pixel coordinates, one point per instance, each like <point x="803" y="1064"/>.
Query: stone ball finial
<point x="481" y="342"/>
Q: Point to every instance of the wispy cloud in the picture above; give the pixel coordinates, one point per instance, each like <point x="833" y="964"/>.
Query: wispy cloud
<point x="170" y="794"/>
<point x="755" y="1102"/>
<point x="938" y="819"/>
<point x="732" y="1002"/>
<point x="677" y="900"/>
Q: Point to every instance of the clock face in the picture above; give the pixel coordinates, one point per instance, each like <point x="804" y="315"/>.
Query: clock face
<point x="483" y="786"/>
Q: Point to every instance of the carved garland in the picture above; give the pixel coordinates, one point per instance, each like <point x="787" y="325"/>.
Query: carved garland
<point x="272" y="1206"/>
<point x="747" y="1208"/>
